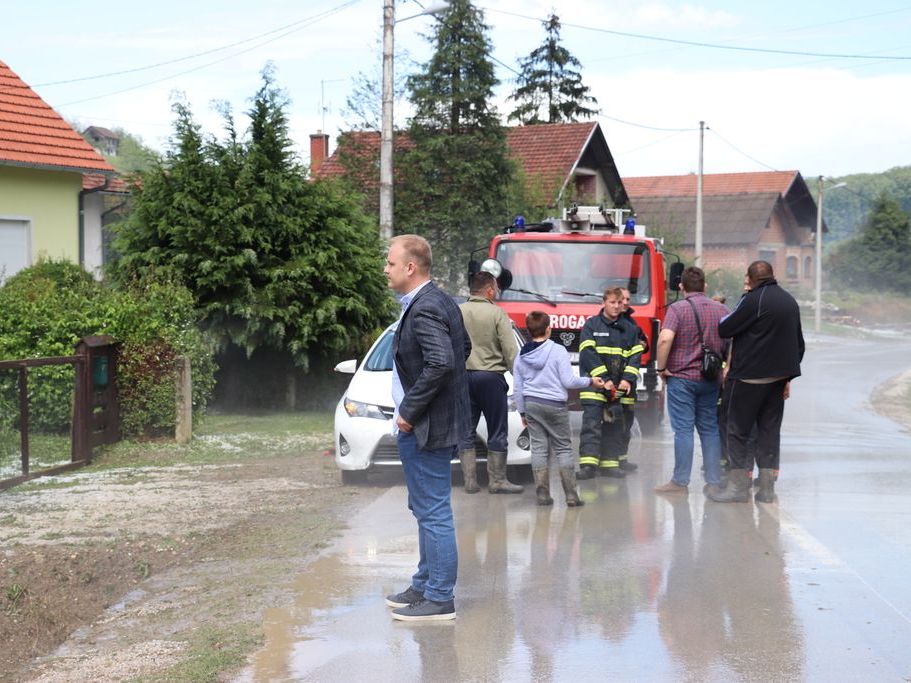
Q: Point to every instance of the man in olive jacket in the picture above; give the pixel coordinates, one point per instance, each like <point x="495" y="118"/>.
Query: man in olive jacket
<point x="768" y="347"/>
<point x="493" y="351"/>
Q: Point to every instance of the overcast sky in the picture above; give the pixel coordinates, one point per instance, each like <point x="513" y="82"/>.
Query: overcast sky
<point x="765" y="110"/>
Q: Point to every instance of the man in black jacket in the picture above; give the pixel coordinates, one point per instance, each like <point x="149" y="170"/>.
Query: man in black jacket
<point x="767" y="351"/>
<point x="430" y="392"/>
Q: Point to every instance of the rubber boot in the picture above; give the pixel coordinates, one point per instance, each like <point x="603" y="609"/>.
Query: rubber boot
<point x="587" y="472"/>
<point x="626" y="465"/>
<point x="737" y="491"/>
<point x="766" y="492"/>
<point x="542" y="486"/>
<point x="496" y="470"/>
<point x="469" y="460"/>
<point x="568" y="479"/>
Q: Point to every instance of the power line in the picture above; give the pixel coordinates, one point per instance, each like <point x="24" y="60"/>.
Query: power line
<point x="642" y="125"/>
<point x="200" y="54"/>
<point x="654" y="142"/>
<point x="312" y="20"/>
<point x="714" y="46"/>
<point x="738" y="150"/>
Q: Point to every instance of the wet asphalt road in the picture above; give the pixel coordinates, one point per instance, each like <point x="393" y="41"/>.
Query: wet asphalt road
<point x="636" y="586"/>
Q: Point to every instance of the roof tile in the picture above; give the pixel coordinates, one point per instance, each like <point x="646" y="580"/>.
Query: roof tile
<point x="33" y="134"/>
<point x="712" y="184"/>
<point x="545" y="151"/>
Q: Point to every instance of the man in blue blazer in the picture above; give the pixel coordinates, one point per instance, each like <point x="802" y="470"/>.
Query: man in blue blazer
<point x="430" y="391"/>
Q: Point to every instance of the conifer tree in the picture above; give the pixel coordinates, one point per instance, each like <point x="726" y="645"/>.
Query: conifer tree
<point x="880" y="256"/>
<point x="274" y="262"/>
<point x="452" y="185"/>
<point x="550" y="88"/>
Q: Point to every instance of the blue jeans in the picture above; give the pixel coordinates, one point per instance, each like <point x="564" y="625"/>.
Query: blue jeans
<point x="690" y="404"/>
<point x="428" y="476"/>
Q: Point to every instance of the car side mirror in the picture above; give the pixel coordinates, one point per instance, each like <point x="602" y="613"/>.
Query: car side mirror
<point x="347" y="367"/>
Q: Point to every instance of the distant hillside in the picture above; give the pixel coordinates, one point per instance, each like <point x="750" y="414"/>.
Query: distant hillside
<point x="846" y="208"/>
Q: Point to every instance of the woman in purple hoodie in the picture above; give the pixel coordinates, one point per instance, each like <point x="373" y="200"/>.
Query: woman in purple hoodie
<point x="541" y="375"/>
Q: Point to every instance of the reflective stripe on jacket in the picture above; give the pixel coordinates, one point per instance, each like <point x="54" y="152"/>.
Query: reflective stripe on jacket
<point x="610" y="349"/>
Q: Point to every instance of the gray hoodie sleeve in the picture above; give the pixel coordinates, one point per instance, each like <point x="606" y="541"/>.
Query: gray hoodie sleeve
<point x="518" y="384"/>
<point x="567" y="377"/>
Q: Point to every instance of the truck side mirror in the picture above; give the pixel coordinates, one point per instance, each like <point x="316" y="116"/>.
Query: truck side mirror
<point x="473" y="267"/>
<point x="674" y="274"/>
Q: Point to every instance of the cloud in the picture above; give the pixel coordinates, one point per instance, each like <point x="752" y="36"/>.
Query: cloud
<point x="817" y="120"/>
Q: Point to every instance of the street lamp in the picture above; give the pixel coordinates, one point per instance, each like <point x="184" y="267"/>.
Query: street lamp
<point x="818" y="310"/>
<point x="389" y="23"/>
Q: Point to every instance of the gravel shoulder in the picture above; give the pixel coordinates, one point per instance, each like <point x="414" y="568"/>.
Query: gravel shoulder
<point x="158" y="562"/>
<point x="893" y="399"/>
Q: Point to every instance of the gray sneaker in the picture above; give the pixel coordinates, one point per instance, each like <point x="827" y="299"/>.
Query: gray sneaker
<point x="426" y="610"/>
<point x="405" y="598"/>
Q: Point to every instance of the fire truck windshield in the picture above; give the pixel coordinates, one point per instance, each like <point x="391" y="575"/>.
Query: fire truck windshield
<point x="574" y="271"/>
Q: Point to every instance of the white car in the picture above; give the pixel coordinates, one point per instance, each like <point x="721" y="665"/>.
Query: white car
<point x="363" y="417"/>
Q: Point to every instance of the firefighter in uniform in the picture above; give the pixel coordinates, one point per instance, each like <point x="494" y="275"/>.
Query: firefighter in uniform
<point x="609" y="348"/>
<point x="629" y="402"/>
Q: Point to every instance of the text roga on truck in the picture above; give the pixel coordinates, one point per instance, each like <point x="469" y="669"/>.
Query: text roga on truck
<point x="562" y="266"/>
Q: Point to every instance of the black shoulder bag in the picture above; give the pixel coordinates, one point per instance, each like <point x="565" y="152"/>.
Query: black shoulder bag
<point x="711" y="361"/>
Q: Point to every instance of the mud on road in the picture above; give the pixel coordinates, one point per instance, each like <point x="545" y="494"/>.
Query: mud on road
<point x="158" y="563"/>
<point x="162" y="571"/>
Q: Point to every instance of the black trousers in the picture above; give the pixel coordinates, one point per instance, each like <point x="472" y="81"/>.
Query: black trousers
<point x="749" y="406"/>
<point x="487" y="391"/>
<point x="602" y="443"/>
<point x="723" y="430"/>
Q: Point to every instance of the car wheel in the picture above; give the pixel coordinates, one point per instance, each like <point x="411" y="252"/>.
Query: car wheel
<point x="354" y="476"/>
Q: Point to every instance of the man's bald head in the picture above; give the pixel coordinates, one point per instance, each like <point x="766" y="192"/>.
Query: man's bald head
<point x="760" y="271"/>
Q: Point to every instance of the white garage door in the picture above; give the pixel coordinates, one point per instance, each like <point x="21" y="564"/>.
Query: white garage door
<point x="14" y="247"/>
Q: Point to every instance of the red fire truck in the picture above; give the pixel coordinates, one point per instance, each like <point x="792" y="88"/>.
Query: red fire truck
<point x="562" y="267"/>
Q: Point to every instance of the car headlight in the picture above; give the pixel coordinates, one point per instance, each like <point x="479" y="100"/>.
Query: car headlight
<point x="358" y="409"/>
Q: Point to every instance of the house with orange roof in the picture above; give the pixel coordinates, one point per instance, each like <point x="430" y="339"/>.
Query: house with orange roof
<point x="43" y="162"/>
<point x="560" y="163"/>
<point x="746" y="216"/>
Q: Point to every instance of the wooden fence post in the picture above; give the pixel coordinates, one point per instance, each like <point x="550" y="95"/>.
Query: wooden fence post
<point x="183" y="431"/>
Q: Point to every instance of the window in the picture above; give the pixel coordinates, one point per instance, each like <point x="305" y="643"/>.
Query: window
<point x="576" y="272"/>
<point x="380" y="360"/>
<point x="14" y="247"/>
<point x="587" y="188"/>
<point x="791" y="266"/>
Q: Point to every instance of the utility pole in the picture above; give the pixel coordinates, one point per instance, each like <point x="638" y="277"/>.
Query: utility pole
<point x="817" y="312"/>
<point x="697" y="256"/>
<point x="386" y="133"/>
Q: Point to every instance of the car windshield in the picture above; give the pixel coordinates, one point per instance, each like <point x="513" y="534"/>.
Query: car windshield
<point x="574" y="271"/>
<point x="380" y="358"/>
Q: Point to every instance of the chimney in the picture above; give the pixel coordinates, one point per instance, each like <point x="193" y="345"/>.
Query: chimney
<point x="319" y="150"/>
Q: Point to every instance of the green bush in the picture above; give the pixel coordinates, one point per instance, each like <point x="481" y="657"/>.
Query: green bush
<point x="9" y="439"/>
<point x="46" y="309"/>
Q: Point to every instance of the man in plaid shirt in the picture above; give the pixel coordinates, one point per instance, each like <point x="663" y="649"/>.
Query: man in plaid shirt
<point x="691" y="399"/>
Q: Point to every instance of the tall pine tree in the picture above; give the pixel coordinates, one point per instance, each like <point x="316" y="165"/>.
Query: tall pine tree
<point x="453" y="183"/>
<point x="550" y="88"/>
<point x="274" y="262"/>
